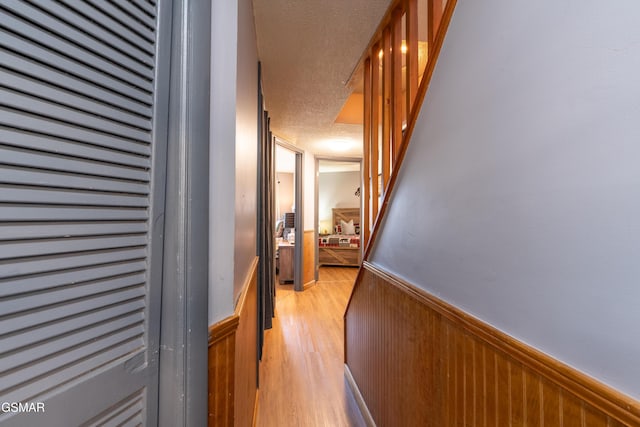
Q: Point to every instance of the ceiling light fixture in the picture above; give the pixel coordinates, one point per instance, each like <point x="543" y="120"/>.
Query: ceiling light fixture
<point x="339" y="145"/>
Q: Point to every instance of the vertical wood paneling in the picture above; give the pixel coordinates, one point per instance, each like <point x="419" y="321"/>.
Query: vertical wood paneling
<point x="479" y="385"/>
<point x="416" y="363"/>
<point x="550" y="404"/>
<point x="308" y="258"/>
<point x="503" y="411"/>
<point x="532" y="399"/>
<point x="491" y="408"/>
<point x="517" y="394"/>
<point x="594" y="418"/>
<point x="246" y="352"/>
<point x="571" y="411"/>
<point x="233" y="360"/>
<point x="221" y="369"/>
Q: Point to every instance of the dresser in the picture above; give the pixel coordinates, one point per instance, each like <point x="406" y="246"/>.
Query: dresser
<point x="285" y="259"/>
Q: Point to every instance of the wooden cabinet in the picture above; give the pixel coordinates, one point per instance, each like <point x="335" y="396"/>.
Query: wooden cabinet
<point x="285" y="259"/>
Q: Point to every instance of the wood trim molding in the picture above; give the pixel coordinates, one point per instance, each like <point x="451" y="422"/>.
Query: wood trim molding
<point x="586" y="395"/>
<point x="232" y="371"/>
<point x="362" y="405"/>
<point x="223" y="329"/>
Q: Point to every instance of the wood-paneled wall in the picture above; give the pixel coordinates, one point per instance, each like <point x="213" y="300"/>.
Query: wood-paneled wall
<point x="420" y="361"/>
<point x="246" y="366"/>
<point x="308" y="258"/>
<point x="233" y="362"/>
<point x="222" y="345"/>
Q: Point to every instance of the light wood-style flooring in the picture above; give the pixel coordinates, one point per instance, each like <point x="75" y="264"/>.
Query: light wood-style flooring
<point x="302" y="370"/>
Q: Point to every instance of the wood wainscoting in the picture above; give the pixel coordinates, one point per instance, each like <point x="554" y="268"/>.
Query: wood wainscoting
<point x="417" y="360"/>
<point x="309" y="259"/>
<point x="233" y="360"/>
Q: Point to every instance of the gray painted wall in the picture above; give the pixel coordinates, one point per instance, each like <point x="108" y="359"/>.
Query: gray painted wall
<point x="222" y="187"/>
<point x="233" y="154"/>
<point x="246" y="146"/>
<point x="519" y="199"/>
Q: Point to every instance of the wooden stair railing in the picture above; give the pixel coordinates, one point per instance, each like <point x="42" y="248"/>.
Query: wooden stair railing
<point x="396" y="69"/>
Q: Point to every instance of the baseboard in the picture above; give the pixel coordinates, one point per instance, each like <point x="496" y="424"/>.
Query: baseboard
<point x="309" y="284"/>
<point x="364" y="411"/>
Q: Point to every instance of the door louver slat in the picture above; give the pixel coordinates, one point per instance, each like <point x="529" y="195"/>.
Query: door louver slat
<point x="45" y="349"/>
<point x="57" y="61"/>
<point x="106" y="353"/>
<point x="20" y="157"/>
<point x="44" y="126"/>
<point x="69" y="197"/>
<point x="124" y="19"/>
<point x="70" y="324"/>
<point x="45" y="39"/>
<point x="55" y="111"/>
<point x="50" y="247"/>
<point x="130" y="16"/>
<point x="68" y="213"/>
<point x="103" y="33"/>
<point x="54" y="77"/>
<point x="146" y="7"/>
<point x="14" y="175"/>
<point x="71" y="149"/>
<point x="32" y="88"/>
<point x="47" y="231"/>
<point x="52" y="280"/>
<point x="68" y="308"/>
<point x="111" y="25"/>
<point x="32" y="266"/>
<point x="62" y="30"/>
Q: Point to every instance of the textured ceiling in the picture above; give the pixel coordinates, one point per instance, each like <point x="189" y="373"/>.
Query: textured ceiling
<point x="308" y="49"/>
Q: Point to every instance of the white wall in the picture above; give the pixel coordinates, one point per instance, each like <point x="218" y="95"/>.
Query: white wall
<point x="337" y="190"/>
<point x="308" y="190"/>
<point x="285" y="195"/>
<point x="233" y="154"/>
<point x="519" y="198"/>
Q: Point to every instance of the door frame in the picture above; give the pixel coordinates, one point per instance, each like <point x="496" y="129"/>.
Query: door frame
<point x="183" y="354"/>
<point x="299" y="213"/>
<point x="316" y="189"/>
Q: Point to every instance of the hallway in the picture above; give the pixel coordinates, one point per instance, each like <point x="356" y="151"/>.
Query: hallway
<point x="302" y="372"/>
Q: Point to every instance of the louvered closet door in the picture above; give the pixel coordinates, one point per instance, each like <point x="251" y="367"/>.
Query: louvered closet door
<point x="81" y="176"/>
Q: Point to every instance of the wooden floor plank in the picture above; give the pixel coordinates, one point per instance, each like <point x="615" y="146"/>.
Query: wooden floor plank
<point x="302" y="370"/>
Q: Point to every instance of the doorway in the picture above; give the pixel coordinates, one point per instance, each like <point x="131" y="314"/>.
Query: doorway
<point x="338" y="212"/>
<point x="288" y="214"/>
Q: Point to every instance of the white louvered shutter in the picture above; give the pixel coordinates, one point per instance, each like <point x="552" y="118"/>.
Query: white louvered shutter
<point x="79" y="292"/>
